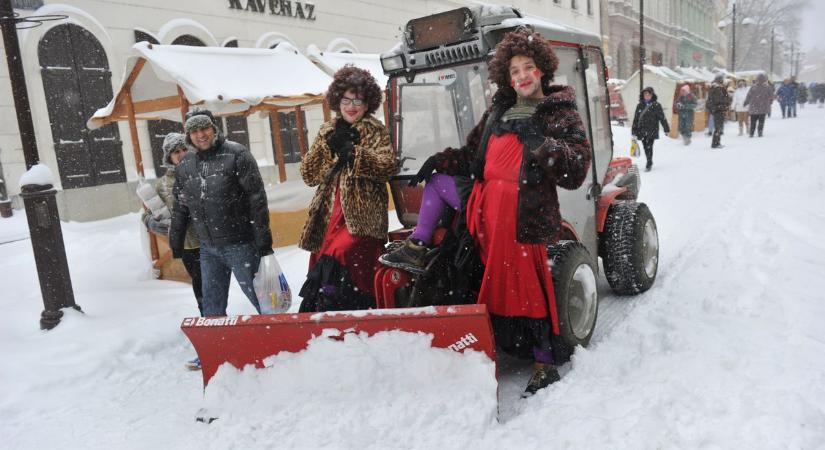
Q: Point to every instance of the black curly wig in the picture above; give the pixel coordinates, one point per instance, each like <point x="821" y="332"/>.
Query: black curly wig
<point x="523" y="43"/>
<point x="351" y="77"/>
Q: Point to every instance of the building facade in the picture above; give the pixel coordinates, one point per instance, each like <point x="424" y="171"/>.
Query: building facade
<point x="677" y="33"/>
<point x="72" y="67"/>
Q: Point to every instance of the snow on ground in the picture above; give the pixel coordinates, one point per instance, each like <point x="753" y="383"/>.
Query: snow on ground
<point x="725" y="350"/>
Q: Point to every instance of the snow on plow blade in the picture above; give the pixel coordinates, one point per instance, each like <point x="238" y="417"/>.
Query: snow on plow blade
<point x="242" y="340"/>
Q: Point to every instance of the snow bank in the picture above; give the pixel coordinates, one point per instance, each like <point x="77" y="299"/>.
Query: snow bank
<point x="364" y="392"/>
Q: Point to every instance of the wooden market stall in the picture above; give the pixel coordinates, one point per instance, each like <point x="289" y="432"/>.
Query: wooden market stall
<point x="164" y="81"/>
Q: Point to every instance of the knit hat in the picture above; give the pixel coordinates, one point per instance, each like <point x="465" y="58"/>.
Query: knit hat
<point x="719" y="79"/>
<point x="198" y="119"/>
<point x="170" y="143"/>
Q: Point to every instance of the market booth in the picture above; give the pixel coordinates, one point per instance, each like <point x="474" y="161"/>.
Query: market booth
<point x="661" y="79"/>
<point x="164" y="81"/>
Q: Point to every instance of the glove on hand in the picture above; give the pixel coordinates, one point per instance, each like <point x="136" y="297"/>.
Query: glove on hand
<point x="264" y="251"/>
<point x="158" y="226"/>
<point x="343" y="136"/>
<point x="425" y="172"/>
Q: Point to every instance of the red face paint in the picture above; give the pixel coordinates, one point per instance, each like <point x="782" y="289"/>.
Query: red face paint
<point x="537" y="73"/>
<point x="512" y="82"/>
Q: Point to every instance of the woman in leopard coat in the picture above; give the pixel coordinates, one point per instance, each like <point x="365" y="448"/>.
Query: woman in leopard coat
<point x="350" y="161"/>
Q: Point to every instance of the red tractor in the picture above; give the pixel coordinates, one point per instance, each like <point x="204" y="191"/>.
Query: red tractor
<point x="438" y="89"/>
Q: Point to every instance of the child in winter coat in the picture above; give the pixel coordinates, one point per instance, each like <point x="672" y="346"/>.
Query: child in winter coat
<point x="646" y="122"/>
<point x="685" y="106"/>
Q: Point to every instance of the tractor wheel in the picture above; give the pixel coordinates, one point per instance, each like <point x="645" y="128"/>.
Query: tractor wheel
<point x="577" y="300"/>
<point x="633" y="182"/>
<point x="630" y="248"/>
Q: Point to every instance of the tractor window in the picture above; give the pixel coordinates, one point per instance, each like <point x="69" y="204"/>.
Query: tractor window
<point x="438" y="109"/>
<point x="569" y="74"/>
<point x="599" y="111"/>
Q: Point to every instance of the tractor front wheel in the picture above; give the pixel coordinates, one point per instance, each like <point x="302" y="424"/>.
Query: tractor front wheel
<point x="577" y="300"/>
<point x="630" y="243"/>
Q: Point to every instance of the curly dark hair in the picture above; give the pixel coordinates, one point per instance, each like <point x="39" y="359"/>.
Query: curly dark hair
<point x="524" y="43"/>
<point x="351" y="77"/>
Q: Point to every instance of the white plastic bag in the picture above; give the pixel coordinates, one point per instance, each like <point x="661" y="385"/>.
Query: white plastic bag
<point x="150" y="198"/>
<point x="271" y="287"/>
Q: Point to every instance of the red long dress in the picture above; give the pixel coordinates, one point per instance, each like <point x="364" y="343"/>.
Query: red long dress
<point x="517" y="280"/>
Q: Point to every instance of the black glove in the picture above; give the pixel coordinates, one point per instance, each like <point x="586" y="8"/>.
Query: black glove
<point x="264" y="251"/>
<point x="425" y="172"/>
<point x="158" y="226"/>
<point x="343" y="136"/>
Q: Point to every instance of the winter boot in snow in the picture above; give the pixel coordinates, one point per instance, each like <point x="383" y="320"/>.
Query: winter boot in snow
<point x="543" y="375"/>
<point x="410" y="256"/>
<point x="194" y="364"/>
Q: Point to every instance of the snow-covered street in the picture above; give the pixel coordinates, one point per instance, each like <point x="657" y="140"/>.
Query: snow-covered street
<point x="723" y="352"/>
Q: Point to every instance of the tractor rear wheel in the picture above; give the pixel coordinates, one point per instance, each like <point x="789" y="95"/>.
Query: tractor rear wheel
<point x="630" y="248"/>
<point x="577" y="300"/>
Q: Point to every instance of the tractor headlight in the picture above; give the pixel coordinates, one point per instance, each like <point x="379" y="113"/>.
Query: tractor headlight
<point x="392" y="63"/>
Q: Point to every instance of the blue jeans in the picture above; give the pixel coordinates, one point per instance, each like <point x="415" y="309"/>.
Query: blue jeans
<point x="217" y="263"/>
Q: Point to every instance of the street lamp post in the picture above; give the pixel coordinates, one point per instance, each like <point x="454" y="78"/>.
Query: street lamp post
<point x="733" y="34"/>
<point x="641" y="45"/>
<point x="39" y="200"/>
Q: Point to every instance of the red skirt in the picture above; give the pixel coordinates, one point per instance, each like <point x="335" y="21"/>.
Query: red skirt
<point x="517" y="280"/>
<point x="359" y="255"/>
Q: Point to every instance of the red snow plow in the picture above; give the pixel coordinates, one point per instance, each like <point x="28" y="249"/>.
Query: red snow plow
<point x="437" y="91"/>
<point x="244" y="340"/>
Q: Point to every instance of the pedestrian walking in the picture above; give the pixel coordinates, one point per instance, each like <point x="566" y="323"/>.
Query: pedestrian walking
<point x="717" y="105"/>
<point x="758" y="101"/>
<point x="787" y="97"/>
<point x="646" y="122"/>
<point x="219" y="191"/>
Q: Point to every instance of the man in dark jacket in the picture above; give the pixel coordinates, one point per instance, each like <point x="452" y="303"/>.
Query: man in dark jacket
<point x="717" y="104"/>
<point x="219" y="189"/>
<point x="758" y="101"/>
<point x="646" y="120"/>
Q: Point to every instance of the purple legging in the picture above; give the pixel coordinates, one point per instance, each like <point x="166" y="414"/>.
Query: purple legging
<point x="439" y="192"/>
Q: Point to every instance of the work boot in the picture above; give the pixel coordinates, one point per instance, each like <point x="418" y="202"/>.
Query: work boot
<point x="543" y="375"/>
<point x="194" y="364"/>
<point x="409" y="257"/>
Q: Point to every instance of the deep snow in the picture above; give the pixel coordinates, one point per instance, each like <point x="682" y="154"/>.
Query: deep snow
<point x="725" y="351"/>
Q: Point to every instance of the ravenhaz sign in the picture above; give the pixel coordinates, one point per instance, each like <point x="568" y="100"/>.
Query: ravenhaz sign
<point x="285" y="8"/>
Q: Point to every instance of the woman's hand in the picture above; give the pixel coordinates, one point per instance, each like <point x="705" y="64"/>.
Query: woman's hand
<point x="425" y="172"/>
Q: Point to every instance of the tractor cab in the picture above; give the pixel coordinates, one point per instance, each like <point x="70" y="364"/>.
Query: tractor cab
<point x="439" y="88"/>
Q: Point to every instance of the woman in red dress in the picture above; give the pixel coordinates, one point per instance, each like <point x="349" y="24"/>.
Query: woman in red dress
<point x="350" y="161"/>
<point x="530" y="141"/>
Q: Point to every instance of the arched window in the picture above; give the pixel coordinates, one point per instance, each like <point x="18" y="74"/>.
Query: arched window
<point x="188" y="39"/>
<point x="77" y="82"/>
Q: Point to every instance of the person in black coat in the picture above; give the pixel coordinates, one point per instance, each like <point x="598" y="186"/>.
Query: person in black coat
<point x="717" y="105"/>
<point x="219" y="190"/>
<point x="646" y="120"/>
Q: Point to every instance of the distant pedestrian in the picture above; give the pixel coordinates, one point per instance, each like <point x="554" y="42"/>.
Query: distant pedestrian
<point x="802" y="95"/>
<point x="717" y="104"/>
<point x="685" y="107"/>
<point x="739" y="107"/>
<point x="819" y="91"/>
<point x="787" y="96"/>
<point x="758" y="101"/>
<point x="646" y="122"/>
<point x="219" y="190"/>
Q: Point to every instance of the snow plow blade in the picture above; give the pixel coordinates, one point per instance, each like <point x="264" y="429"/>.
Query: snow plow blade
<point x="242" y="340"/>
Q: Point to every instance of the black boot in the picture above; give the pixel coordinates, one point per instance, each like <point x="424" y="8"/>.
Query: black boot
<point x="409" y="257"/>
<point x="543" y="375"/>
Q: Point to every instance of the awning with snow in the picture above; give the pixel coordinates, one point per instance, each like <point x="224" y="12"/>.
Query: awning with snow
<point x="330" y="62"/>
<point x="225" y="80"/>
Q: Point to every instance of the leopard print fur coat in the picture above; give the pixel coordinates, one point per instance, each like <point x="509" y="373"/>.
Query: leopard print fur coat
<point x="364" y="198"/>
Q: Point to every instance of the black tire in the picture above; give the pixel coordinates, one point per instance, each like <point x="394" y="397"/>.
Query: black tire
<point x="633" y="182"/>
<point x="577" y="300"/>
<point x="630" y="248"/>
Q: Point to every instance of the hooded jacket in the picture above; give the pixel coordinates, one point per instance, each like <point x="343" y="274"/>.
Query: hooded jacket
<point x="648" y="116"/>
<point x="363" y="186"/>
<point x="221" y="193"/>
<point x="559" y="157"/>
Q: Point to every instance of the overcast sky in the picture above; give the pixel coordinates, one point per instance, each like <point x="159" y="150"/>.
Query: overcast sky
<point x="813" y="26"/>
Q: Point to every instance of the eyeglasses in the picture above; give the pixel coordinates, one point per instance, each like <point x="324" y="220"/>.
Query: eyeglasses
<point x="346" y="101"/>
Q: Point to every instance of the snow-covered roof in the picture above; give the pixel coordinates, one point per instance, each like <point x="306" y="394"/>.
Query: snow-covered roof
<point x="225" y="80"/>
<point x="695" y="73"/>
<point x="330" y="62"/>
